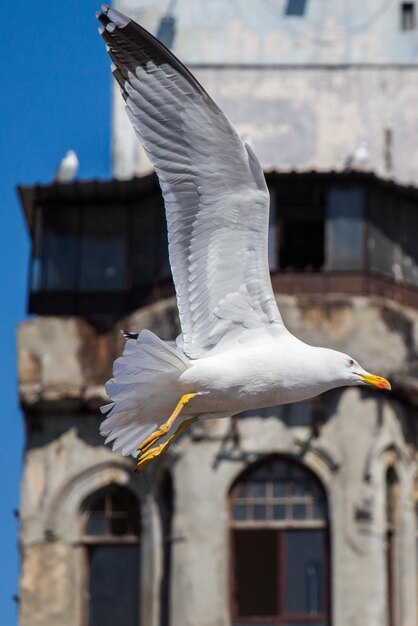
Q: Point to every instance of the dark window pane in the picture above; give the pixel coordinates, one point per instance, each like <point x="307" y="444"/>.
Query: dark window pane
<point x="240" y="512"/>
<point x="278" y="469"/>
<point x="299" y="511"/>
<point x="114" y="585"/>
<point x="96" y="524"/>
<point x="295" y="8"/>
<point x="345" y="229"/>
<point x="383" y="234"/>
<point x="120" y="526"/>
<point x="302" y="244"/>
<point x="299" y="489"/>
<point x="319" y="510"/>
<point x="260" y="512"/>
<point x="279" y="511"/>
<point x="407" y="15"/>
<point x="409" y="232"/>
<point x="297" y="472"/>
<point x="97" y="505"/>
<point x="304" y="580"/>
<point x="56" y="249"/>
<point x="122" y="500"/>
<point x="255" y="572"/>
<point x="279" y="489"/>
<point x="103" y="249"/>
<point x="149" y="243"/>
<point x="259" y="490"/>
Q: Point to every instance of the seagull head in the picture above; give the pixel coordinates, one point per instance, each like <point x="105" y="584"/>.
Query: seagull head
<point x="348" y="372"/>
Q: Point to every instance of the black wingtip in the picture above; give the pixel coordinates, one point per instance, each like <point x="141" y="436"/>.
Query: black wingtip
<point x="129" y="335"/>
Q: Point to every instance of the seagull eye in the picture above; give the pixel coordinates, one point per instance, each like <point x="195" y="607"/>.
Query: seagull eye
<point x="350" y="362"/>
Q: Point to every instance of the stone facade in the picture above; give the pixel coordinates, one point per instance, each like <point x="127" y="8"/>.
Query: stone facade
<point x="305" y="91"/>
<point x="348" y="440"/>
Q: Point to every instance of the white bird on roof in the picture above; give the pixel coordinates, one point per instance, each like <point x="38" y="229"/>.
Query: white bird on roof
<point x="234" y="352"/>
<point x="360" y="158"/>
<point x="68" y="168"/>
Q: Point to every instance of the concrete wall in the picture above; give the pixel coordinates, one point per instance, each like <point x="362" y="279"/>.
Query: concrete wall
<point x="306" y="118"/>
<point x="305" y="91"/>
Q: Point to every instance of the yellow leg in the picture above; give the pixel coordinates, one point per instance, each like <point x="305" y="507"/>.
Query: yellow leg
<point x="165" y="428"/>
<point x="153" y="453"/>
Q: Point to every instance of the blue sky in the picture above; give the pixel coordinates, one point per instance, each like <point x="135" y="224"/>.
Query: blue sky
<point x="55" y="86"/>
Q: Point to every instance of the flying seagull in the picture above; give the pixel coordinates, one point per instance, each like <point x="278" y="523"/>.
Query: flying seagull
<point x="68" y="168"/>
<point x="234" y="352"/>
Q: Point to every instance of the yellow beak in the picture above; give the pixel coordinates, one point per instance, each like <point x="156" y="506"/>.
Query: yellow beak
<point x="376" y="381"/>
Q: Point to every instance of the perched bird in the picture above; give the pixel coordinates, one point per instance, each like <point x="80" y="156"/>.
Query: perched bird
<point x="234" y="352"/>
<point x="359" y="159"/>
<point x="68" y="168"/>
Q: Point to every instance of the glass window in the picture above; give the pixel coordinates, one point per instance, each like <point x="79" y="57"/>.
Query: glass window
<point x="111" y="538"/>
<point x="103" y="248"/>
<point x="272" y="234"/>
<point x="149" y="244"/>
<point x="113" y="573"/>
<point x="279" y="538"/>
<point x="166" y="507"/>
<point x="301" y="216"/>
<point x="409" y="231"/>
<point x="55" y="248"/>
<point x="407" y="15"/>
<point x="383" y="235"/>
<point x="392" y="489"/>
<point x="345" y="229"/>
<point x="295" y="8"/>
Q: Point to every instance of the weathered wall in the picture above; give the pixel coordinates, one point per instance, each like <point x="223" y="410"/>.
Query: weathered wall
<point x="348" y="440"/>
<point x="306" y="118"/>
<point x="303" y="90"/>
<point x="63" y="362"/>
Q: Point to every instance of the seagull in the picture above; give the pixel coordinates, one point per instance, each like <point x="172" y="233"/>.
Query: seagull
<point x="68" y="168"/>
<point x="359" y="159"/>
<point x="234" y="353"/>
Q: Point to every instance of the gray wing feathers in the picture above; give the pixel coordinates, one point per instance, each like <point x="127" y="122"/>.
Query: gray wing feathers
<point x="215" y="194"/>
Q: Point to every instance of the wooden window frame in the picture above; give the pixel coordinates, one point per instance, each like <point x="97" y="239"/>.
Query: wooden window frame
<point x="87" y="541"/>
<point x="282" y="527"/>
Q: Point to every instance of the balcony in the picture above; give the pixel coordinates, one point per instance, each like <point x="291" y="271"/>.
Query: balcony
<point x="100" y="248"/>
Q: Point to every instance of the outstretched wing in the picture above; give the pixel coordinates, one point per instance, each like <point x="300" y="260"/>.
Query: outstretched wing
<point x="216" y="198"/>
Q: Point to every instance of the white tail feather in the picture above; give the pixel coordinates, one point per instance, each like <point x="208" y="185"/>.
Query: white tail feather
<point x="141" y="376"/>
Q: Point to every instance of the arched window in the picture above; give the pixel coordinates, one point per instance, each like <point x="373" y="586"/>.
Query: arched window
<point x="279" y="547"/>
<point x="111" y="536"/>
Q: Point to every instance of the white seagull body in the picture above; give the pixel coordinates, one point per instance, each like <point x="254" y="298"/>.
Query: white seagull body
<point x="67" y="168"/>
<point x="234" y="352"/>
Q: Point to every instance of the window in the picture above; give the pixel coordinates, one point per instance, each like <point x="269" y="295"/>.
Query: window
<point x="345" y="228"/>
<point x="392" y="491"/>
<point x="295" y="8"/>
<point x="279" y="537"/>
<point x="407" y="15"/>
<point x="301" y="212"/>
<point x="93" y="256"/>
<point x="166" y="507"/>
<point x="111" y="538"/>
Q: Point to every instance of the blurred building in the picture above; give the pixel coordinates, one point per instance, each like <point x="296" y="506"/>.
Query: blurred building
<point x="297" y="515"/>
